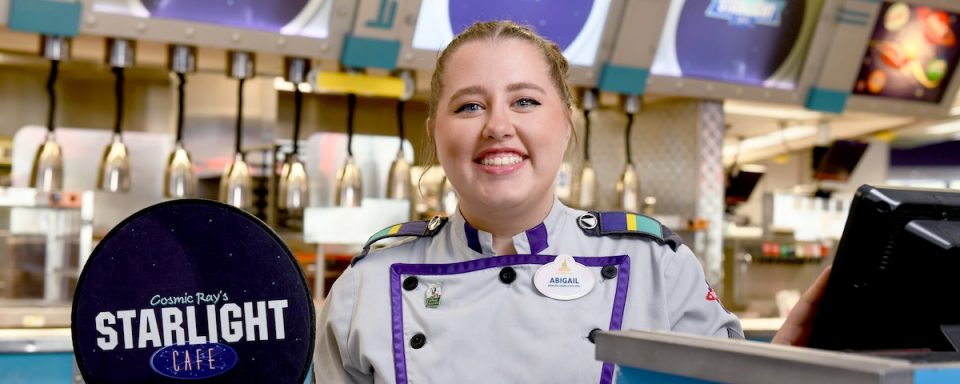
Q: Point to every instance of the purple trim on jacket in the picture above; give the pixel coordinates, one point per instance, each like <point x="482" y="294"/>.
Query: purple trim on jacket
<point x="396" y="293"/>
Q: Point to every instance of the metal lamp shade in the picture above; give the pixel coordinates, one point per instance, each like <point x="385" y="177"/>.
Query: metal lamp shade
<point x="448" y="198"/>
<point x="115" y="167"/>
<point x="178" y="179"/>
<point x="563" y="186"/>
<point x="398" y="181"/>
<point x="47" y="173"/>
<point x="587" y="187"/>
<point x="235" y="185"/>
<point x="628" y="189"/>
<point x="294" y="185"/>
<point x="349" y="184"/>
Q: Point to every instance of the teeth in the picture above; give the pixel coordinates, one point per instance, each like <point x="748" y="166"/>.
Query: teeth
<point x="501" y="160"/>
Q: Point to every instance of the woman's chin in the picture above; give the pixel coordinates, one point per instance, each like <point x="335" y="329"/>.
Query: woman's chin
<point x="512" y="199"/>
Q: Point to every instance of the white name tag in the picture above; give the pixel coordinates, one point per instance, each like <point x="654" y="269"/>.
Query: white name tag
<point x="564" y="279"/>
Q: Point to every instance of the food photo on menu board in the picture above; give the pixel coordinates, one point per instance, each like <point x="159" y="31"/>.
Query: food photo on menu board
<point x="310" y="18"/>
<point x="911" y="55"/>
<point x="762" y="43"/>
<point x="576" y="27"/>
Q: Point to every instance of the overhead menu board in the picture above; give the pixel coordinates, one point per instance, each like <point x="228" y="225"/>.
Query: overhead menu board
<point x="301" y="28"/>
<point x="911" y="55"/>
<point x="290" y="17"/>
<point x="576" y="27"/>
<point x="760" y="43"/>
<point x="584" y="29"/>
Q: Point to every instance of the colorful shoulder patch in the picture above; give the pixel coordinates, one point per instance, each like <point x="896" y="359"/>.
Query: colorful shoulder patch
<point x="421" y="228"/>
<point x="629" y="224"/>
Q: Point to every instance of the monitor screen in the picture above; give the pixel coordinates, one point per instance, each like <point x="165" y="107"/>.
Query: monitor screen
<point x="761" y="43"/>
<point x="911" y="54"/>
<point x="310" y="18"/>
<point x="576" y="26"/>
<point x="741" y="182"/>
<point x="894" y="278"/>
<point x="840" y="159"/>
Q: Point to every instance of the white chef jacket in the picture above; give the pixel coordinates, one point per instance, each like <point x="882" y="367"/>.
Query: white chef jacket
<point x="442" y="307"/>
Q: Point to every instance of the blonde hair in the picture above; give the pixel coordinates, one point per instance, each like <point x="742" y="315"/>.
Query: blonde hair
<point x="492" y="31"/>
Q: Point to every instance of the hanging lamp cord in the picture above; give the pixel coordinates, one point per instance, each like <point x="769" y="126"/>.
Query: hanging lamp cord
<point x="351" y="107"/>
<point x="239" y="125"/>
<point x="627" y="137"/>
<point x="118" y="91"/>
<point x="180" y="104"/>
<point x="400" y="105"/>
<point x="297" y="111"/>
<point x="52" y="93"/>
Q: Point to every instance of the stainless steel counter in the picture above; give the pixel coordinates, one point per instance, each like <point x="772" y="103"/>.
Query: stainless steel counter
<point x="662" y="357"/>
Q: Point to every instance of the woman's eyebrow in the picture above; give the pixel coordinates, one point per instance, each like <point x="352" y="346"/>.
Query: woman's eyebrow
<point x="524" y="85"/>
<point x="471" y="90"/>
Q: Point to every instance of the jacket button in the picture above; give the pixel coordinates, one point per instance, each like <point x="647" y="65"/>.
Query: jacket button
<point x="410" y="283"/>
<point x="507" y="275"/>
<point x="592" y="336"/>
<point x="609" y="271"/>
<point x="418" y="340"/>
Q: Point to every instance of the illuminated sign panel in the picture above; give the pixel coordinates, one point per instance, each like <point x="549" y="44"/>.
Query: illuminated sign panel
<point x="576" y="27"/>
<point x="760" y="43"/>
<point x="911" y="54"/>
<point x="310" y="18"/>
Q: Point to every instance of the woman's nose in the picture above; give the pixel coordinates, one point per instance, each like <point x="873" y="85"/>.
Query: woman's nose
<point x="498" y="125"/>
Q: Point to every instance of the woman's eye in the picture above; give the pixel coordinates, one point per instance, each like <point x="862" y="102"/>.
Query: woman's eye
<point x="527" y="102"/>
<point x="468" y="107"/>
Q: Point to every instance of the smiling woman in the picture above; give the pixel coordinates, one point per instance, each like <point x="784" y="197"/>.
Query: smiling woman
<point x="515" y="284"/>
<point x="501" y="129"/>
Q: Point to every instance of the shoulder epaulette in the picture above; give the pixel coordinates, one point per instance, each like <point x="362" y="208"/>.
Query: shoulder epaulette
<point x="420" y="228"/>
<point x="626" y="223"/>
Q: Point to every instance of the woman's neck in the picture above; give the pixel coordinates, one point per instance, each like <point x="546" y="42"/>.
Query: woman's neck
<point x="504" y="245"/>
<point x="503" y="223"/>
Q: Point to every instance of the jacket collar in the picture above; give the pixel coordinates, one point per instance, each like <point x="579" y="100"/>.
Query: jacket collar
<point x="531" y="241"/>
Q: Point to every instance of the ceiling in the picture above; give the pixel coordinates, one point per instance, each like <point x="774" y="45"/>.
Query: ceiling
<point x="766" y="130"/>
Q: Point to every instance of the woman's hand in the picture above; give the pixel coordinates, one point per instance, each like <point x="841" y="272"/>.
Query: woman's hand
<point x="796" y="329"/>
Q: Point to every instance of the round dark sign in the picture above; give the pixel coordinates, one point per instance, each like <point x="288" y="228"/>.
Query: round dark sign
<point x="192" y="290"/>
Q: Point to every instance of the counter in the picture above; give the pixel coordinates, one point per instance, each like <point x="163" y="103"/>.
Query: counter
<point x="664" y="357"/>
<point x="43" y="355"/>
<point x="761" y="328"/>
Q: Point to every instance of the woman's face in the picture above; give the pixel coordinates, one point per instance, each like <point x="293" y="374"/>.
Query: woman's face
<point x="501" y="126"/>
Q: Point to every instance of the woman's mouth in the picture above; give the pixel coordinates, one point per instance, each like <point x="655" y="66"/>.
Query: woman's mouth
<point x="501" y="159"/>
<point x="500" y="163"/>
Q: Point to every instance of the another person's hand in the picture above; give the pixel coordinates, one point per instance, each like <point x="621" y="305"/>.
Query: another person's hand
<point x="796" y="329"/>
